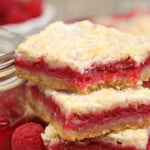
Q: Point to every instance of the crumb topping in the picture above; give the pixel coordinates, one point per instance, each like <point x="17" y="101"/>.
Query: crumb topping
<point x="81" y="44"/>
<point x="137" y="138"/>
<point x="104" y="99"/>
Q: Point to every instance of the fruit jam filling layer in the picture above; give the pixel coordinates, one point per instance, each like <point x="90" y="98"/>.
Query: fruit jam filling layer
<point x="126" y="69"/>
<point x="88" y="145"/>
<point x="76" y="121"/>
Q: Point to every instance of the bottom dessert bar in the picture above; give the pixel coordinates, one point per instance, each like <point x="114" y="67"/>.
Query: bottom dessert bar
<point x="77" y="117"/>
<point x="125" y="140"/>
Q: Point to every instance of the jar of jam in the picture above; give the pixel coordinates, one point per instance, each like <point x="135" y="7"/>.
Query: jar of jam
<point x="12" y="89"/>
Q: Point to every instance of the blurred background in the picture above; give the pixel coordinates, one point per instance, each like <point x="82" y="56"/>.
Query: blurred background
<point x="82" y="8"/>
<point x="29" y="16"/>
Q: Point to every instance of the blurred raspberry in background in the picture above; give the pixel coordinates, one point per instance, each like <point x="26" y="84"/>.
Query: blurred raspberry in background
<point x="17" y="11"/>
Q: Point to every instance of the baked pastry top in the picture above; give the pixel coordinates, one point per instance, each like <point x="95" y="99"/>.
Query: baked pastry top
<point x="82" y="44"/>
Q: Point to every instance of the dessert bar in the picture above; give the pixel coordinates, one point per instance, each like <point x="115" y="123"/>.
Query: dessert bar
<point x="136" y="21"/>
<point x="124" y="140"/>
<point x="78" y="116"/>
<point x="83" y="57"/>
<point x="138" y="26"/>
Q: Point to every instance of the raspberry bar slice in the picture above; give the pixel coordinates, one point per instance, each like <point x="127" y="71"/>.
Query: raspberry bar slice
<point x="124" y="140"/>
<point x="138" y="26"/>
<point x="136" y="21"/>
<point x="83" y="57"/>
<point x="78" y="116"/>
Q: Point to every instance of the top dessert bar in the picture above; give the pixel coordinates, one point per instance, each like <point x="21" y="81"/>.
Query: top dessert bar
<point x="83" y="57"/>
<point x="139" y="25"/>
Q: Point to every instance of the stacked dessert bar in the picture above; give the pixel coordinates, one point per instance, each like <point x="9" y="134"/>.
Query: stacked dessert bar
<point x="86" y="80"/>
<point x="135" y="21"/>
<point x="124" y="140"/>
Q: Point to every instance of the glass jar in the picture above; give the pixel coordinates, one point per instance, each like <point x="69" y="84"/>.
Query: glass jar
<point x="12" y="89"/>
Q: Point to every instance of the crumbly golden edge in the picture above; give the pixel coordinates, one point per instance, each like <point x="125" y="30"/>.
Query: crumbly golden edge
<point x="40" y="79"/>
<point x="57" y="84"/>
<point x="69" y="135"/>
<point x="137" y="138"/>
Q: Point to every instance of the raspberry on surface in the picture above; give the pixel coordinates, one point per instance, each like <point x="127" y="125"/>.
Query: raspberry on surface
<point x="28" y="137"/>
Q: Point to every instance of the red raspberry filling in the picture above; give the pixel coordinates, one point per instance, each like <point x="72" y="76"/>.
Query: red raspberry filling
<point x="148" y="144"/>
<point x="75" y="121"/>
<point x="88" y="144"/>
<point x="124" y="69"/>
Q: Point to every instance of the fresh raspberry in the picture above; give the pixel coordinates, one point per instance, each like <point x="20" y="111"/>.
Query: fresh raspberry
<point x="28" y="137"/>
<point x="16" y="15"/>
<point x="6" y="5"/>
<point x="16" y="11"/>
<point x="33" y="7"/>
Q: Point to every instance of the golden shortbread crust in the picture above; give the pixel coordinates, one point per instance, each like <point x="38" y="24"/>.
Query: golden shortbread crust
<point x="56" y="84"/>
